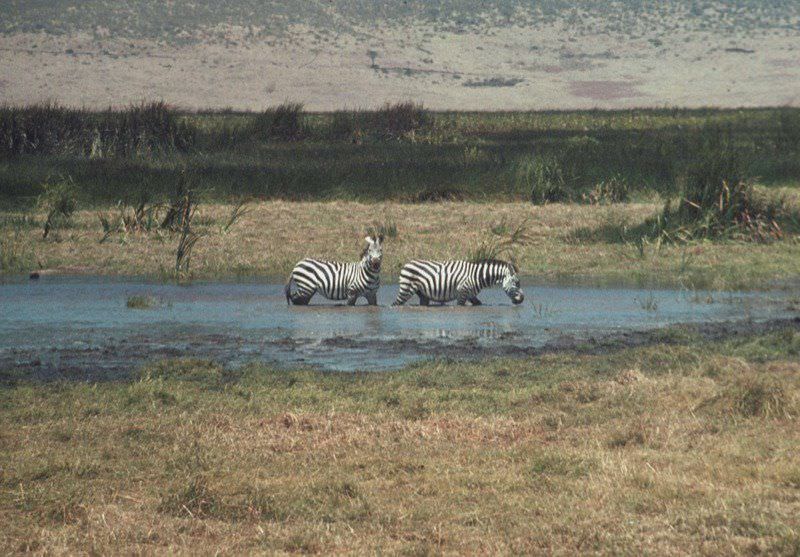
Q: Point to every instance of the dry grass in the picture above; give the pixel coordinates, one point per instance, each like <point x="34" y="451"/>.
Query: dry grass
<point x="660" y="450"/>
<point x="271" y="236"/>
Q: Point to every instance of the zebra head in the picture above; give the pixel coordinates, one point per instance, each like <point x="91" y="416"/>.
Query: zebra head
<point x="373" y="253"/>
<point x="510" y="284"/>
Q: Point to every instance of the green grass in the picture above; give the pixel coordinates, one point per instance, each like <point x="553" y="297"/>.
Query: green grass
<point x="556" y="243"/>
<point x="400" y="152"/>
<point x="400" y="159"/>
<point x="141" y="302"/>
<point x="685" y="447"/>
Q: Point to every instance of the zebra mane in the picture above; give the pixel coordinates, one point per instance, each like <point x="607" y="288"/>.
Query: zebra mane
<point x="363" y="253"/>
<point x="498" y="262"/>
<point x="366" y="248"/>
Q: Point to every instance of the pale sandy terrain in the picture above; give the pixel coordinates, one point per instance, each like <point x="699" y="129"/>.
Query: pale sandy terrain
<point x="525" y="66"/>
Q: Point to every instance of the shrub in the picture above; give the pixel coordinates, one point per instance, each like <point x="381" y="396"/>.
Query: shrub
<point x="15" y="254"/>
<point x="59" y="200"/>
<point x="285" y="122"/>
<point x="612" y="190"/>
<point x="395" y="121"/>
<point x="788" y="130"/>
<point x="543" y="177"/>
<point x="348" y="125"/>
<point x="718" y="199"/>
<point x="52" y="129"/>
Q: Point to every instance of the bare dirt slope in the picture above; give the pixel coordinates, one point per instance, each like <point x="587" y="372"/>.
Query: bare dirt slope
<point x="447" y="54"/>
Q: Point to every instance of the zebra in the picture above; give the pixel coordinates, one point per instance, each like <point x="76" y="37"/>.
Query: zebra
<point x="338" y="281"/>
<point x="444" y="281"/>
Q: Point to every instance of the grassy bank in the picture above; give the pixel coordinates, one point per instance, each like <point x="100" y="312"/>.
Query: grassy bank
<point x="688" y="447"/>
<point x="401" y="153"/>
<point x="564" y="241"/>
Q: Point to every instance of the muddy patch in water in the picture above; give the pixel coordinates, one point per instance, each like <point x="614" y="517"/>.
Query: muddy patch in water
<point x="83" y="328"/>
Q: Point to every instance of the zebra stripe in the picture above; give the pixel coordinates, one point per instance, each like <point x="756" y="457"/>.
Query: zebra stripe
<point x="444" y="281"/>
<point x="336" y="280"/>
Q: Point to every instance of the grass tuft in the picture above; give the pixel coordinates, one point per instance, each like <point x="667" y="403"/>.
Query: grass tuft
<point x="285" y="122"/>
<point x="506" y="238"/>
<point x="613" y="190"/>
<point x="751" y="396"/>
<point x="543" y="177"/>
<point x="400" y="120"/>
<point x="193" y="499"/>
<point x="141" y="302"/>
<point x="59" y="201"/>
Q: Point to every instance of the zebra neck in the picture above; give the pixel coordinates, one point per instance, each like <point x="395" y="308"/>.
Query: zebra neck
<point x="367" y="270"/>
<point x="490" y="273"/>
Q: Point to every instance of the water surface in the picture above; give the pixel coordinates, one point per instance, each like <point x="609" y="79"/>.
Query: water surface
<point x="80" y="326"/>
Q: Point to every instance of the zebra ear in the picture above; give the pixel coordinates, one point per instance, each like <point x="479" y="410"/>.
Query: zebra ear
<point x="369" y="240"/>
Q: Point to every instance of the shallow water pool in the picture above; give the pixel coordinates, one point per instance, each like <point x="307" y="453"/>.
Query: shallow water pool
<point x="80" y="327"/>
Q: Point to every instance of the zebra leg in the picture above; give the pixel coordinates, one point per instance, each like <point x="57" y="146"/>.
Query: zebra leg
<point x="300" y="300"/>
<point x="465" y="291"/>
<point x="352" y="296"/>
<point x="372" y="298"/>
<point x="405" y="292"/>
<point x="475" y="301"/>
<point x="300" y="297"/>
<point x="423" y="299"/>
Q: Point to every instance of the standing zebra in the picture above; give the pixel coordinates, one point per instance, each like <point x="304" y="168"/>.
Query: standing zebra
<point x="338" y="281"/>
<point x="444" y="281"/>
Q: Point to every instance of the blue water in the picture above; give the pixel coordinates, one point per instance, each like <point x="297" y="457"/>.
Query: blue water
<point x="73" y="325"/>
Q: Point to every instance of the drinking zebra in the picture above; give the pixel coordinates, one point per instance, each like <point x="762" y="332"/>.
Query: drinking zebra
<point x="444" y="281"/>
<point x="338" y="281"/>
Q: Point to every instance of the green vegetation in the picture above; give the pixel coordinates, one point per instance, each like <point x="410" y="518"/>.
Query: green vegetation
<point x="58" y="201"/>
<point x="141" y="302"/>
<point x="400" y="152"/>
<point x="649" y="196"/>
<point x="682" y="447"/>
<point x="556" y="242"/>
<point x="50" y="129"/>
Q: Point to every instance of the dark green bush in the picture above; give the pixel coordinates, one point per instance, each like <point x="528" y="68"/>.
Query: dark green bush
<point x="395" y="121"/>
<point x="50" y="129"/>
<point x="543" y="177"/>
<point x="718" y="199"/>
<point x="59" y="200"/>
<point x="285" y="122"/>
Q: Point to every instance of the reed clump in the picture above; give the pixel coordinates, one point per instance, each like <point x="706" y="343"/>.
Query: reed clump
<point x="285" y="122"/>
<point x="59" y="201"/>
<point x="52" y="129"/>
<point x="718" y="200"/>
<point x="506" y="237"/>
<point x="400" y="120"/>
<point x="141" y="301"/>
